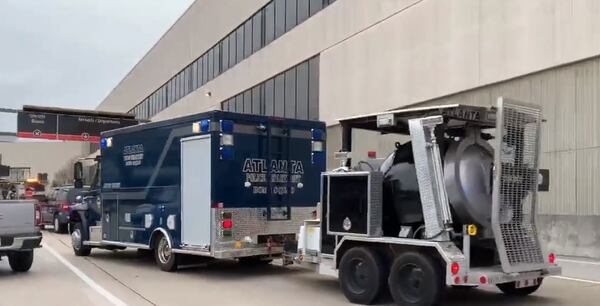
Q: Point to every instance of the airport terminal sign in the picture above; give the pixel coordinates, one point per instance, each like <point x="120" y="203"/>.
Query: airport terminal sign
<point x="39" y="125"/>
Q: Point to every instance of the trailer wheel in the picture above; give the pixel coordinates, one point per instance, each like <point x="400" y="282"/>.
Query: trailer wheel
<point x="416" y="280"/>
<point x="511" y="290"/>
<point x="165" y="258"/>
<point x="20" y="261"/>
<point x="362" y="275"/>
<point x="77" y="241"/>
<point x="58" y="228"/>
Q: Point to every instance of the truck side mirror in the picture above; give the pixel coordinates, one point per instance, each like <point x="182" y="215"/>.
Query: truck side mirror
<point x="78" y="175"/>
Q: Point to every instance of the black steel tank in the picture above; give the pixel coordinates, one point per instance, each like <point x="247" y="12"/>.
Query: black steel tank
<point x="467" y="162"/>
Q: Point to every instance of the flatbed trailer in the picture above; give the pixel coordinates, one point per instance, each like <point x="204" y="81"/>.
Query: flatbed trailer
<point x="455" y="206"/>
<point x="215" y="184"/>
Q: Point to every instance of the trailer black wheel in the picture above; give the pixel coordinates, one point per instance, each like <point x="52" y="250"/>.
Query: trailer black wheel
<point x="164" y="256"/>
<point x="415" y="279"/>
<point x="20" y="261"/>
<point x="362" y="275"/>
<point x="77" y="241"/>
<point x="511" y="290"/>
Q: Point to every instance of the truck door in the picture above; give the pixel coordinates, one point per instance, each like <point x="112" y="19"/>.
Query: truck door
<point x="278" y="172"/>
<point x="196" y="191"/>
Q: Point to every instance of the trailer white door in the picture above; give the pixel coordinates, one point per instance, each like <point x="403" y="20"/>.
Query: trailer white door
<point x="195" y="191"/>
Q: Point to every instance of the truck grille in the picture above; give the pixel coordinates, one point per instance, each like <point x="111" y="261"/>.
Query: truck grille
<point x="515" y="186"/>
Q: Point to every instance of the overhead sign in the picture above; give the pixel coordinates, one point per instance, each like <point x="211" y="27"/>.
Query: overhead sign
<point x="40" y="125"/>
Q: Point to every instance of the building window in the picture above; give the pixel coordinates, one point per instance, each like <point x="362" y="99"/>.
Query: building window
<point x="290" y="94"/>
<point x="279" y="17"/>
<point x="270" y="22"/>
<point x="290" y="14"/>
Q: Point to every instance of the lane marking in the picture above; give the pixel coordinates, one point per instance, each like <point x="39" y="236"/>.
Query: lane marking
<point x="577" y="280"/>
<point x="105" y="293"/>
<point x="579" y="261"/>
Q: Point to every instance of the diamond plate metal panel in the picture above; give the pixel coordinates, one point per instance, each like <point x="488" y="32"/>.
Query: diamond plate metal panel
<point x="436" y="210"/>
<point x="252" y="222"/>
<point x="515" y="186"/>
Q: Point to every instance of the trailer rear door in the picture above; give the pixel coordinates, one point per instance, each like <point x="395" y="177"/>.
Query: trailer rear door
<point x="278" y="157"/>
<point x="196" y="191"/>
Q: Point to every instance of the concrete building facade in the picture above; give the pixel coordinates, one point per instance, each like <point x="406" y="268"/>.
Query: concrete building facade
<point x="327" y="59"/>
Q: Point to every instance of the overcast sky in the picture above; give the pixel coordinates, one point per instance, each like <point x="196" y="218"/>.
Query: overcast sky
<point x="72" y="53"/>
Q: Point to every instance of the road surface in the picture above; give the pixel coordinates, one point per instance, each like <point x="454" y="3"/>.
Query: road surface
<point x="127" y="278"/>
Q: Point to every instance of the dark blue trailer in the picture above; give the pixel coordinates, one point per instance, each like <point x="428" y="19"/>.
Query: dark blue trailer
<point x="216" y="184"/>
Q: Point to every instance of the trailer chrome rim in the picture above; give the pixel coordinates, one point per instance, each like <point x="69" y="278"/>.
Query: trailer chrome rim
<point x="411" y="284"/>
<point x="164" y="251"/>
<point x="76" y="239"/>
<point x="359" y="276"/>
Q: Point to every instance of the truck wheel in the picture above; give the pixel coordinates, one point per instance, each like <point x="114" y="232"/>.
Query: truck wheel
<point x="77" y="242"/>
<point x="20" y="261"/>
<point x="58" y="228"/>
<point x="416" y="280"/>
<point x="165" y="258"/>
<point x="362" y="275"/>
<point x="511" y="290"/>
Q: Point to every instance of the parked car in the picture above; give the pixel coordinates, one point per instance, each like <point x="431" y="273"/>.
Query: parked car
<point x="19" y="233"/>
<point x="56" y="210"/>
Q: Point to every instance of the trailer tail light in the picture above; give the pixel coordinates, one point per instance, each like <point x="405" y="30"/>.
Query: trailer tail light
<point x="64" y="206"/>
<point x="551" y="258"/>
<point x="38" y="216"/>
<point x="454" y="268"/>
<point x="227" y="224"/>
<point x="483" y="280"/>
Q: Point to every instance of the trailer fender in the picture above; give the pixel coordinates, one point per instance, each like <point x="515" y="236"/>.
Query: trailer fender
<point x="390" y="247"/>
<point x="156" y="234"/>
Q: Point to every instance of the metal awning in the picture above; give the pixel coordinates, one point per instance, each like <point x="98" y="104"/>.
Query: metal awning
<point x="396" y="121"/>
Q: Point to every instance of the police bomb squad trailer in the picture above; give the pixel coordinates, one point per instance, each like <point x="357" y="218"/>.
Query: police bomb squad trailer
<point x="444" y="209"/>
<point x="447" y="208"/>
<point x="216" y="184"/>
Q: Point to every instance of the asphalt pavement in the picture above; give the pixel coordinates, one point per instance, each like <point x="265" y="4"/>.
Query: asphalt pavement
<point x="128" y="278"/>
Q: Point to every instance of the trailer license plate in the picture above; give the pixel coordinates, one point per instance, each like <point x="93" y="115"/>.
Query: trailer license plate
<point x="526" y="283"/>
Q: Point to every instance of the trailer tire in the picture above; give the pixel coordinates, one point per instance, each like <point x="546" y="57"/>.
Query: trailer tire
<point x="58" y="228"/>
<point x="77" y="241"/>
<point x="362" y="275"/>
<point x="415" y="279"/>
<point x="510" y="289"/>
<point x="164" y="256"/>
<point x="20" y="261"/>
